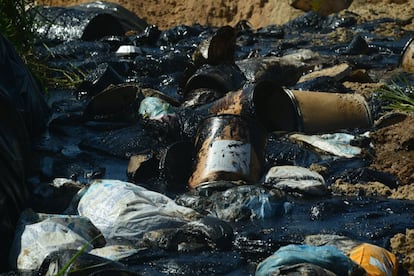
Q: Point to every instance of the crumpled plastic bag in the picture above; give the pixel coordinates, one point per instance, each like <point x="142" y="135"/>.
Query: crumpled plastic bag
<point x="155" y="108"/>
<point x="375" y="260"/>
<point x="39" y="235"/>
<point x="297" y="179"/>
<point x="241" y="202"/>
<point x="327" y="256"/>
<point x="125" y="211"/>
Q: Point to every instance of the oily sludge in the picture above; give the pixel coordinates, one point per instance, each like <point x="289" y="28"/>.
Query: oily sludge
<point x="225" y="227"/>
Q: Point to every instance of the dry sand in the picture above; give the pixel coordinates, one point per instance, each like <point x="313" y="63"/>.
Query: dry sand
<point x="168" y="13"/>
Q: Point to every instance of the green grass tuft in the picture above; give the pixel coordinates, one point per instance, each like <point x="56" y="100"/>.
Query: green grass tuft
<point x="66" y="268"/>
<point x="17" y="25"/>
<point x="398" y="95"/>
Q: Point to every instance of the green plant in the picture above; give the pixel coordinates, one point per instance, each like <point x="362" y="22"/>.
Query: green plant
<point x="398" y="95"/>
<point x="17" y="24"/>
<point x="65" y="269"/>
<point x="58" y="78"/>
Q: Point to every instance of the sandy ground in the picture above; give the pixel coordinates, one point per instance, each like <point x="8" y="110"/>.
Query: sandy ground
<point x="168" y="13"/>
<point x="394" y="144"/>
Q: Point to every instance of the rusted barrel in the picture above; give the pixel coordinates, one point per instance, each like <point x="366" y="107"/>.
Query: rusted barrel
<point x="320" y="112"/>
<point x="265" y="102"/>
<point x="230" y="148"/>
<point x="281" y="109"/>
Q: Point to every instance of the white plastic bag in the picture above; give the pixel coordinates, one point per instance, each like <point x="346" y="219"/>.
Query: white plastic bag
<point x="297" y="179"/>
<point x="122" y="210"/>
<point x="38" y="235"/>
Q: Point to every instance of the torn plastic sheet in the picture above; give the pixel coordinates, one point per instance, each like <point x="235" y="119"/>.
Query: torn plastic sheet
<point x="336" y="143"/>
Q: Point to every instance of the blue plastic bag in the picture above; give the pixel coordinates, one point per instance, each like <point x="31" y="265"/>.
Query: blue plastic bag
<point x="326" y="256"/>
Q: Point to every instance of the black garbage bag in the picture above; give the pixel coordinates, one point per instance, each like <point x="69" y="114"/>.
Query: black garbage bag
<point x="14" y="143"/>
<point x="23" y="116"/>
<point x="22" y="89"/>
<point x="90" y="21"/>
<point x="129" y="20"/>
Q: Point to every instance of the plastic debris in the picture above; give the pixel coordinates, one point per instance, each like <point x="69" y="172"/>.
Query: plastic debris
<point x="128" y="50"/>
<point x="328" y="257"/>
<point x="337" y="143"/>
<point x="62" y="24"/>
<point x="23" y="117"/>
<point x="155" y="108"/>
<point x="375" y="260"/>
<point x="122" y="210"/>
<point x="165" y="66"/>
<point x="205" y="233"/>
<point x="89" y="21"/>
<point x="294" y="178"/>
<point x="115" y="101"/>
<point x="114" y="252"/>
<point x="240" y="202"/>
<point x="38" y="235"/>
<point x="128" y="19"/>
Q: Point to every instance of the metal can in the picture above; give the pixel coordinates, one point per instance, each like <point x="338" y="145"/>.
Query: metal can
<point x="281" y="109"/>
<point x="228" y="148"/>
<point x="321" y="112"/>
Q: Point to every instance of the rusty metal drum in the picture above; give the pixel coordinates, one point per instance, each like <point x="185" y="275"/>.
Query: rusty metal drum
<point x="321" y="112"/>
<point x="281" y="109"/>
<point x="228" y="147"/>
